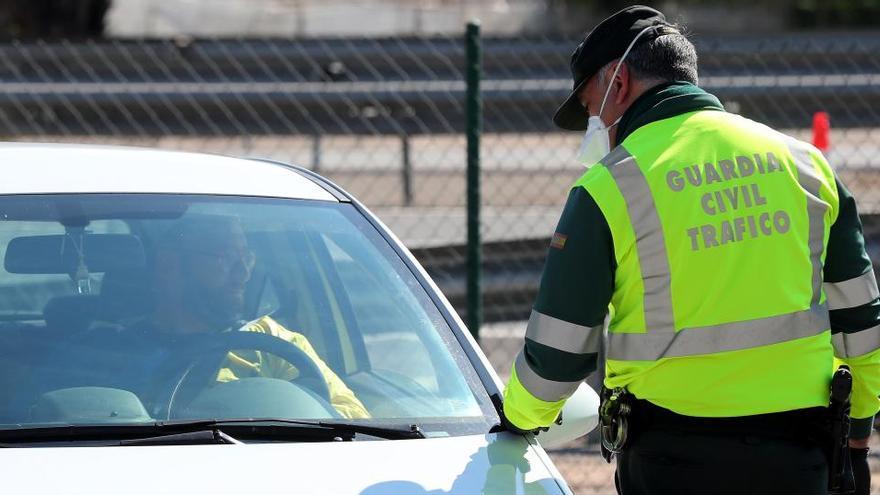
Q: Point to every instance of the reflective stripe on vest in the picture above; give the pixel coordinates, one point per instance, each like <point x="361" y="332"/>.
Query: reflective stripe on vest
<point x="811" y="184"/>
<point x="650" y="244"/>
<point x="660" y="339"/>
<point x="718" y="338"/>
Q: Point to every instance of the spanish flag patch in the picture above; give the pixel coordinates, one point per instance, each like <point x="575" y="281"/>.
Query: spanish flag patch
<point x="558" y="240"/>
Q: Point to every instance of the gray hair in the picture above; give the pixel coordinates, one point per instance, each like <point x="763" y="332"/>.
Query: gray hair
<point x="671" y="57"/>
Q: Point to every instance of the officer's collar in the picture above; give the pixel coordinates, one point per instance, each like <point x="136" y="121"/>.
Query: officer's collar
<point x="664" y="101"/>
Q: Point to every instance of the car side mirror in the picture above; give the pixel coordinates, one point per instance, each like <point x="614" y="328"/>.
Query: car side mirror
<point x="579" y="416"/>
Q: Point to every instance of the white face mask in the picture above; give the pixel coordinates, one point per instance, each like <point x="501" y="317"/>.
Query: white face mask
<point x="597" y="142"/>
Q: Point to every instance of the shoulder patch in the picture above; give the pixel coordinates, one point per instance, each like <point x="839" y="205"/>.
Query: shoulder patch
<point x="558" y="240"/>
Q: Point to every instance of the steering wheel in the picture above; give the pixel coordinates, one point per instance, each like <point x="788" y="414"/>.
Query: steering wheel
<point x="202" y="371"/>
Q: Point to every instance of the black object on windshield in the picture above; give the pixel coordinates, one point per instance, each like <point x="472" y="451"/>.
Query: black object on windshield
<point x="201" y="437"/>
<point x="206" y="432"/>
<point x="345" y="430"/>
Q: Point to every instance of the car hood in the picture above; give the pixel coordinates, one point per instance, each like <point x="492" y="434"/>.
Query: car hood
<point x="495" y="463"/>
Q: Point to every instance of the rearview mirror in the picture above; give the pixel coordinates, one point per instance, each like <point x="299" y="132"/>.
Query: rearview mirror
<point x="58" y="254"/>
<point x="579" y="416"/>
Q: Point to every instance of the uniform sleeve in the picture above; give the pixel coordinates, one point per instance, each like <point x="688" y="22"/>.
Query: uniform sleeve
<point x="341" y="397"/>
<point x="854" y="307"/>
<point x="564" y="333"/>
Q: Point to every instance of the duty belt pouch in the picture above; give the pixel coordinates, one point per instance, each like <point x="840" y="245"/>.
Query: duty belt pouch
<point x="615" y="413"/>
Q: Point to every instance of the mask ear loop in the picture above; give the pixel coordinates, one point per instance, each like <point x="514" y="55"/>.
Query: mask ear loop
<point x="619" y="63"/>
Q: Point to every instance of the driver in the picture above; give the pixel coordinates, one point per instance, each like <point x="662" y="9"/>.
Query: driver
<point x="202" y="266"/>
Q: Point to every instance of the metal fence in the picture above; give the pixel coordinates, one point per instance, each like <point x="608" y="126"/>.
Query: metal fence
<point x="385" y="118"/>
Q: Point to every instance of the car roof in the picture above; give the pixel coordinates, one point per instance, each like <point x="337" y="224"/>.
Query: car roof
<point x="68" y="168"/>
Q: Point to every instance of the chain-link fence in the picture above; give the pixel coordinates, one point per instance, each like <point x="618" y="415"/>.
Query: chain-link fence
<point x="384" y="118"/>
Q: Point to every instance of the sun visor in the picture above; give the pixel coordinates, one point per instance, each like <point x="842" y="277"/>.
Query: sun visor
<point x="80" y="209"/>
<point x="46" y="254"/>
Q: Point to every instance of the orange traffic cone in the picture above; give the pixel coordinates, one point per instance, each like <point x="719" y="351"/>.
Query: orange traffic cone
<point x="821" y="131"/>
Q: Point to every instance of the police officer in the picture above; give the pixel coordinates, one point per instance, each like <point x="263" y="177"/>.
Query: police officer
<point x="729" y="262"/>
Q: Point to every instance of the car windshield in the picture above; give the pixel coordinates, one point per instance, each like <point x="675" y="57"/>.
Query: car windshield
<point x="130" y="309"/>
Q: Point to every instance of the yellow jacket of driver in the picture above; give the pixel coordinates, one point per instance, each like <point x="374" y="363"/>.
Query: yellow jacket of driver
<point x="250" y="363"/>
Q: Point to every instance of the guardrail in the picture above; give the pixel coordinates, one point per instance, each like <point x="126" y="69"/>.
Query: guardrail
<point x="400" y="86"/>
<point x="382" y="107"/>
<point x="372" y="59"/>
<point x="510" y="275"/>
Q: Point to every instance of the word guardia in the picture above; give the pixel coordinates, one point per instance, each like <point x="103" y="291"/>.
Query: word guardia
<point x="725" y="170"/>
<point x="731" y="199"/>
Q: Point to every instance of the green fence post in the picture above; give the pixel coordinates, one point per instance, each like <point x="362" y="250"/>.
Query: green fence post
<point x="473" y="121"/>
<point x="406" y="173"/>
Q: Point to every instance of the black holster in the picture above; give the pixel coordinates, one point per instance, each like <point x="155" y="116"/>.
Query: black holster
<point x="840" y="473"/>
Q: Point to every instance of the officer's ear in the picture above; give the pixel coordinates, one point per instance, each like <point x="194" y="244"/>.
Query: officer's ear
<point x="622" y="84"/>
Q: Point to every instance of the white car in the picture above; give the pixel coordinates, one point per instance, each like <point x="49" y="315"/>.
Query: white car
<point x="188" y="323"/>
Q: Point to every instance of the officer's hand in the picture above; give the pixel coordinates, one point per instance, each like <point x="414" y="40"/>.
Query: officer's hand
<point x="509" y="426"/>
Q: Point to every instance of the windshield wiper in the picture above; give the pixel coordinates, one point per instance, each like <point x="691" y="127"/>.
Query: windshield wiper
<point x="205" y="431"/>
<point x="346" y="429"/>
<point x="183" y="432"/>
<point x="201" y="437"/>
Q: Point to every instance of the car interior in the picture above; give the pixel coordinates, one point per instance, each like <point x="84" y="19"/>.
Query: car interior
<point x="348" y="305"/>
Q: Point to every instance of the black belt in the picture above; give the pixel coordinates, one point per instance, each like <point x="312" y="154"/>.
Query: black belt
<point x="648" y="416"/>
